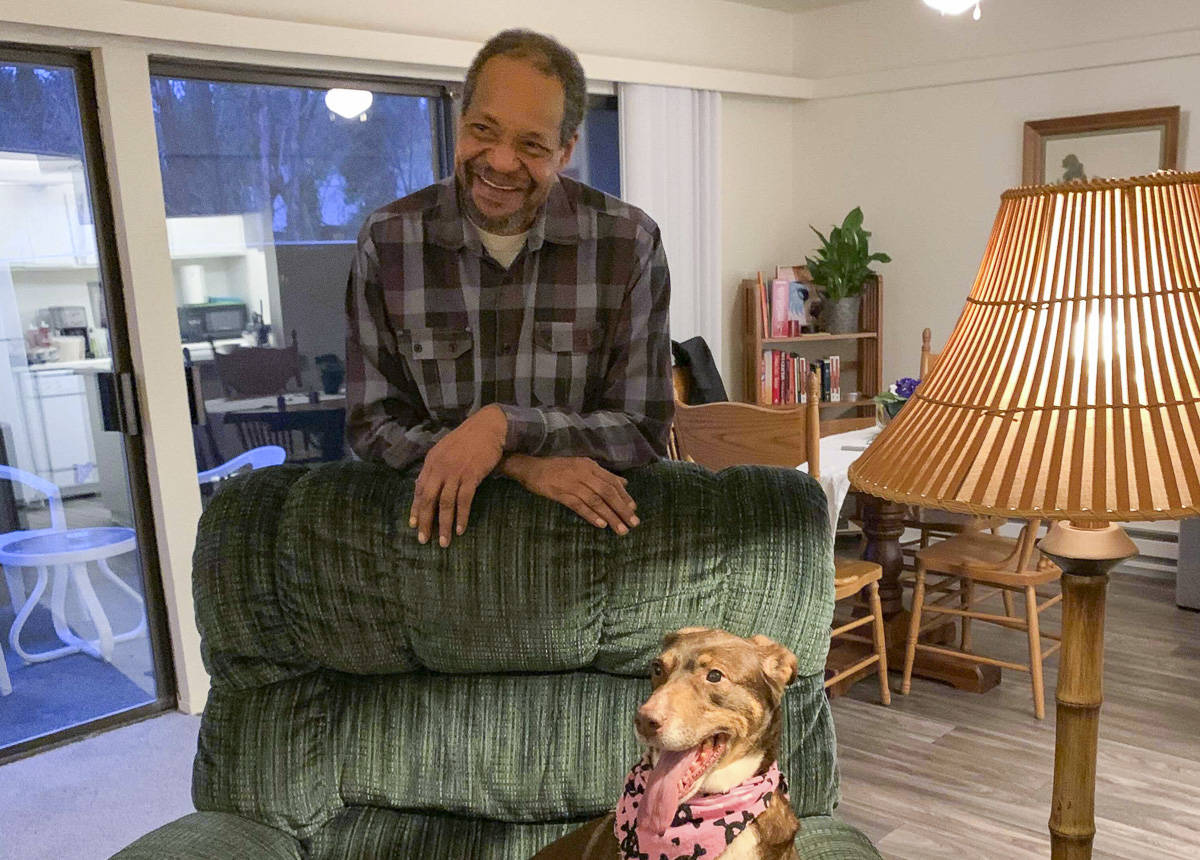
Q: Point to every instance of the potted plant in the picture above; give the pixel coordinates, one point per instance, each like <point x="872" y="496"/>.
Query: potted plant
<point x="889" y="403"/>
<point x="840" y="267"/>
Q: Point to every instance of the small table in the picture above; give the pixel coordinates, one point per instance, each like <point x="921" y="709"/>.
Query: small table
<point x="68" y="552"/>
<point x="323" y="419"/>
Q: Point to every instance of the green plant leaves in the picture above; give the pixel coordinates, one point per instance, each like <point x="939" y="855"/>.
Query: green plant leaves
<point x="842" y="263"/>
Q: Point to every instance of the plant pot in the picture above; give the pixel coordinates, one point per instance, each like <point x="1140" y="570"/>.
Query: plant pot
<point x="840" y="316"/>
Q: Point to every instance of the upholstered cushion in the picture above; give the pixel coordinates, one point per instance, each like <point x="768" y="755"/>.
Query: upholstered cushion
<point x="333" y="577"/>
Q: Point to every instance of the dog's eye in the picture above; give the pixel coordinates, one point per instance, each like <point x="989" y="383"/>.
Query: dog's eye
<point x="656" y="668"/>
<point x="714" y="676"/>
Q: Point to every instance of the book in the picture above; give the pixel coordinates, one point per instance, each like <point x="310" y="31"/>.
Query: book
<point x="779" y="308"/>
<point x="803" y="374"/>
<point x="764" y="317"/>
<point x="775" y="375"/>
<point x="825" y="380"/>
<point x="835" y="378"/>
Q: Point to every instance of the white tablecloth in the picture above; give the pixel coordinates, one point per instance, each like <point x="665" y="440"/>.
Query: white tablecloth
<point x="837" y="453"/>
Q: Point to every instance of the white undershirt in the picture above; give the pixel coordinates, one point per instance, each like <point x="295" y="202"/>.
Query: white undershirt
<point x="504" y="249"/>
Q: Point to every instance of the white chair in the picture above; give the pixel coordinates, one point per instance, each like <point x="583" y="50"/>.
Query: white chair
<point x="255" y="458"/>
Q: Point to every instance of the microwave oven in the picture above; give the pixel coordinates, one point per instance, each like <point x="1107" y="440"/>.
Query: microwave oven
<point x="212" y="320"/>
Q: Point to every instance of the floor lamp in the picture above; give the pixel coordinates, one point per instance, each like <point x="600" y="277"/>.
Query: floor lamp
<point x="1069" y="390"/>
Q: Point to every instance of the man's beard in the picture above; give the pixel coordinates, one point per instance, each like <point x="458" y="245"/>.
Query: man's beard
<point x="504" y="225"/>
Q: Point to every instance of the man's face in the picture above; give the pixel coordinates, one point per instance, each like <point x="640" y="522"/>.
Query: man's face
<point x="508" y="153"/>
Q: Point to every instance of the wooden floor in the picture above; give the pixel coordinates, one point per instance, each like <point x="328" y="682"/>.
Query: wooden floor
<point x="959" y="775"/>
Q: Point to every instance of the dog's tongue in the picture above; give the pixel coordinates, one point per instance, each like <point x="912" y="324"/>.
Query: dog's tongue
<point x="664" y="785"/>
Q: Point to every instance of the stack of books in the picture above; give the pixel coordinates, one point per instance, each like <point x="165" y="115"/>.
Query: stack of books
<point x="782" y="377"/>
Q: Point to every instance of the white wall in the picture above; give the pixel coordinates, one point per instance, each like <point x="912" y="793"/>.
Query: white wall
<point x="709" y="33"/>
<point x="928" y="163"/>
<point x="758" y="209"/>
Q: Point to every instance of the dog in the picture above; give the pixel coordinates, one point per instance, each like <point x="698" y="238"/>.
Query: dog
<point x="708" y="785"/>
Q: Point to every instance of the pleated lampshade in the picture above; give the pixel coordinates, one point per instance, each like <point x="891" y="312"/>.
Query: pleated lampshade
<point x="1070" y="388"/>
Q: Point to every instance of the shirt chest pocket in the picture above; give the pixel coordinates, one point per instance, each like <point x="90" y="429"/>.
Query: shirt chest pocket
<point x="562" y="357"/>
<point x="443" y="364"/>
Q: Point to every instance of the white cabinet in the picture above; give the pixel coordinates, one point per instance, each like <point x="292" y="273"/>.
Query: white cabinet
<point x="55" y="407"/>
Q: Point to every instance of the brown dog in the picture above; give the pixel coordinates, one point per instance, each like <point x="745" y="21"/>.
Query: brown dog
<point x="709" y="785"/>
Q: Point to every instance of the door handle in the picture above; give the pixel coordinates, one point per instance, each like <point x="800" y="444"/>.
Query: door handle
<point x="118" y="403"/>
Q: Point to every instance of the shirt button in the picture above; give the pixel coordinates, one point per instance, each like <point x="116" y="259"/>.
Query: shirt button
<point x="508" y="348"/>
<point x="416" y="347"/>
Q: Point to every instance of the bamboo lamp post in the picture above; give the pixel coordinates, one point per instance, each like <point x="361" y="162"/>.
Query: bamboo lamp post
<point x="1069" y="390"/>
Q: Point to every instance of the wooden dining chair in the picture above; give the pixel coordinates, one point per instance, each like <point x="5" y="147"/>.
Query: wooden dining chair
<point x="949" y="572"/>
<point x="930" y="524"/>
<point x="257" y="371"/>
<point x="720" y="435"/>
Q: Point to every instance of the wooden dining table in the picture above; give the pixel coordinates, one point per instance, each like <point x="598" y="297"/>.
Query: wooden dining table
<point x="883" y="526"/>
<point x="322" y="415"/>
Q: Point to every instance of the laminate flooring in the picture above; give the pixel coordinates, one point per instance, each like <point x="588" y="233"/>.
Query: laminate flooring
<point x="949" y="774"/>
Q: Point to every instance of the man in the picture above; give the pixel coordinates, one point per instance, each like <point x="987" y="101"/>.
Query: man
<point x="509" y="320"/>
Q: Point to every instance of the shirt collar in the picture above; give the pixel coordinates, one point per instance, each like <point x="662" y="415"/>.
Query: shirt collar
<point x="447" y="225"/>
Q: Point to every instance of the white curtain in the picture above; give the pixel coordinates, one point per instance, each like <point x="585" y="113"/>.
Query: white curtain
<point x="671" y="168"/>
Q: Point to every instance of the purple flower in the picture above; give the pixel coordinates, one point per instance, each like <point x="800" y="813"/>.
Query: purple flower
<point x="905" y="386"/>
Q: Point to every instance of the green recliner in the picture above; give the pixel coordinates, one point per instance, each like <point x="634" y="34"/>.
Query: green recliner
<point x="376" y="698"/>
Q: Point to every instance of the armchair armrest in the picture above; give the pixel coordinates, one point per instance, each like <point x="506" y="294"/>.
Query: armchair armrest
<point x="824" y="838"/>
<point x="213" y="836"/>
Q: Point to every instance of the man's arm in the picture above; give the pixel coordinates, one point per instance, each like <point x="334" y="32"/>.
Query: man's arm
<point x="386" y="420"/>
<point x="637" y="405"/>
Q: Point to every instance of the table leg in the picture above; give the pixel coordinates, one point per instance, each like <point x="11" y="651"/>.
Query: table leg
<point x="883" y="525"/>
<point x="104" y="643"/>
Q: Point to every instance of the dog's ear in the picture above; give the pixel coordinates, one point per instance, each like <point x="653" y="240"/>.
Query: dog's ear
<point x="778" y="663"/>
<point x="673" y="637"/>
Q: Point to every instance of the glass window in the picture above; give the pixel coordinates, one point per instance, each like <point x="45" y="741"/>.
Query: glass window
<point x="267" y="181"/>
<point x="74" y="646"/>
<point x="597" y="157"/>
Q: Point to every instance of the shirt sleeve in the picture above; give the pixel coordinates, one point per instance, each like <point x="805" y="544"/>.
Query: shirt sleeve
<point x="631" y="424"/>
<point x="386" y="419"/>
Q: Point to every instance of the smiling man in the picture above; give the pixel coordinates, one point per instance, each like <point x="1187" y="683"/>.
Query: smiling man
<point x="508" y="319"/>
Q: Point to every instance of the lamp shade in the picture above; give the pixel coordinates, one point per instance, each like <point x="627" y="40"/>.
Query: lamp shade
<point x="1070" y="387"/>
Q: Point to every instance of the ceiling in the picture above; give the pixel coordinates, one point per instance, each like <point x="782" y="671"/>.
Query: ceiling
<point x="794" y="5"/>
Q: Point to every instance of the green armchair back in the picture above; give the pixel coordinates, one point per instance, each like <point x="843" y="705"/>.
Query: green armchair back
<point x="372" y="697"/>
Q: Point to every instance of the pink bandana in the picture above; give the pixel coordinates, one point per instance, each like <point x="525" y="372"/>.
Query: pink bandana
<point x="703" y="826"/>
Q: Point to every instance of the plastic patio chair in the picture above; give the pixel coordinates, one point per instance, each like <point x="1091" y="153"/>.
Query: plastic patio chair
<point x="255" y="458"/>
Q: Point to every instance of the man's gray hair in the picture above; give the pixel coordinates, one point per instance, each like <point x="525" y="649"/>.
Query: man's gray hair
<point x="549" y="57"/>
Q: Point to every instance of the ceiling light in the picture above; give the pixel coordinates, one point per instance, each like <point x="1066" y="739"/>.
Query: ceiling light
<point x="348" y="103"/>
<point x="954" y="7"/>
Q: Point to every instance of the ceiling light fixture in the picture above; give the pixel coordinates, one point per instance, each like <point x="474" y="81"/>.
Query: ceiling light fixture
<point x="954" y="7"/>
<point x="348" y="103"/>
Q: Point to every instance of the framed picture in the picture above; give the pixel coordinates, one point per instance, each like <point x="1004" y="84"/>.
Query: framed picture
<point x="1100" y="145"/>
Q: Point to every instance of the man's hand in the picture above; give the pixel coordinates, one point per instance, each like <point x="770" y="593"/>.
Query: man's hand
<point x="452" y="472"/>
<point x="581" y="484"/>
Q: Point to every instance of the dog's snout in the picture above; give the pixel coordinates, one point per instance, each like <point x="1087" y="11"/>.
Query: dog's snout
<point x="647" y="722"/>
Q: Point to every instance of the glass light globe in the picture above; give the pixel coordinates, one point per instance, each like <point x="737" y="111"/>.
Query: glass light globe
<point x="951" y="7"/>
<point x="348" y="103"/>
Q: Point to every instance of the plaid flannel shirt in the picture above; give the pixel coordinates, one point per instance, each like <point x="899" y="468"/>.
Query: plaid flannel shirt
<point x="571" y="340"/>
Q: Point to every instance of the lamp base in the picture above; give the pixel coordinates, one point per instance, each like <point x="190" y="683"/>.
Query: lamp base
<point x="1086" y="552"/>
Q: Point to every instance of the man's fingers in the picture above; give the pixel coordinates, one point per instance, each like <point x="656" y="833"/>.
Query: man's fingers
<point x="466" y="494"/>
<point x="616" y="499"/>
<point x="425" y="504"/>
<point x="445" y="512"/>
<point x="603" y="514"/>
<point x="582" y="508"/>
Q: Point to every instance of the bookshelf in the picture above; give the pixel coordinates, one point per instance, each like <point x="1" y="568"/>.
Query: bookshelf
<point x="865" y="370"/>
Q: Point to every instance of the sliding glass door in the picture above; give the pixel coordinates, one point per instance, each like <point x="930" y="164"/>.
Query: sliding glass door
<point x="80" y="624"/>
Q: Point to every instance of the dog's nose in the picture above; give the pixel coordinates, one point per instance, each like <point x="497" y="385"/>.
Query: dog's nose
<point x="646" y="724"/>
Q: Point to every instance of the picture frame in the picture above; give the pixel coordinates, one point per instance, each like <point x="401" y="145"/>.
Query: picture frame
<point x="803" y="296"/>
<point x="1100" y="145"/>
